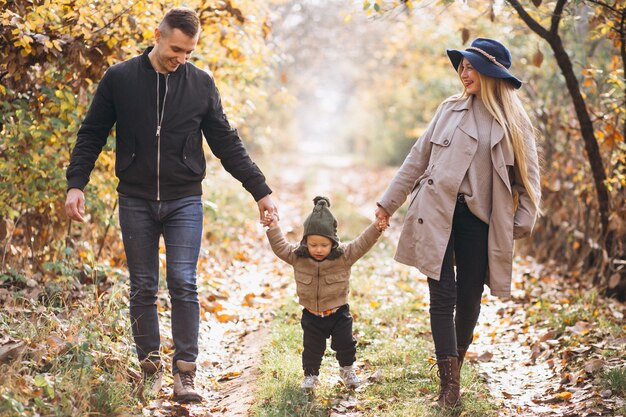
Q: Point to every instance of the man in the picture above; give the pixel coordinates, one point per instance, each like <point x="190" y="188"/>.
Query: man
<point x="161" y="105"/>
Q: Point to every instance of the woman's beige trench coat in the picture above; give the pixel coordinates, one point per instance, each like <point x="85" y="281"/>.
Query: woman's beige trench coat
<point x="432" y="174"/>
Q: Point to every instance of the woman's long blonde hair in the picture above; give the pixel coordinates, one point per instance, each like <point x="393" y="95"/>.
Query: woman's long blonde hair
<point x="502" y="101"/>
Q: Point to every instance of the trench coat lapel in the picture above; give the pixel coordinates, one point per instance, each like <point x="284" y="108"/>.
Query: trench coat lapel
<point x="497" y="133"/>
<point x="468" y="122"/>
<point x="501" y="152"/>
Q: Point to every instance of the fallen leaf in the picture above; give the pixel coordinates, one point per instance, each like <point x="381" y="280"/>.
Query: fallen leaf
<point x="229" y="375"/>
<point x="485" y="357"/>
<point x="11" y="350"/>
<point x="549" y="335"/>
<point x="581" y="328"/>
<point x="593" y="365"/>
<point x="607" y="393"/>
<point x="376" y="376"/>
<point x="563" y="396"/>
<point x="223" y="318"/>
<point x="248" y="300"/>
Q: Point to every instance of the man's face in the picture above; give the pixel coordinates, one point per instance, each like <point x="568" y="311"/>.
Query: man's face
<point x="173" y="48"/>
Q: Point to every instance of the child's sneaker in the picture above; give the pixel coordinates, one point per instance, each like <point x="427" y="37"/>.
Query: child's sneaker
<point x="310" y="382"/>
<point x="349" y="377"/>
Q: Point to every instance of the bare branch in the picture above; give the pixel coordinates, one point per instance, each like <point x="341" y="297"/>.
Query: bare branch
<point x="532" y="23"/>
<point x="556" y="17"/>
<point x="605" y="5"/>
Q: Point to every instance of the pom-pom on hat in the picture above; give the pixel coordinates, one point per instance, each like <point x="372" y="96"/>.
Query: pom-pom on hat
<point x="321" y="221"/>
<point x="487" y="56"/>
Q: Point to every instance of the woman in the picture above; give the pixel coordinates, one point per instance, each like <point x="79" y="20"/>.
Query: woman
<point x="473" y="177"/>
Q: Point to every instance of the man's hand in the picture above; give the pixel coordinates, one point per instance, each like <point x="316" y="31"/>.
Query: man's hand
<point x="75" y="205"/>
<point x="267" y="210"/>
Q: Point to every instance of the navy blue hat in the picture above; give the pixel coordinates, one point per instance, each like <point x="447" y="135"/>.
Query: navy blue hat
<point x="487" y="56"/>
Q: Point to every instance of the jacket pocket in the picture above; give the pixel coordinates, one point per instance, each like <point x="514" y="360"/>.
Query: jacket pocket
<point x="193" y="154"/>
<point x="304" y="278"/>
<point x="442" y="137"/>
<point x="340" y="277"/>
<point x="124" y="153"/>
<point x="419" y="183"/>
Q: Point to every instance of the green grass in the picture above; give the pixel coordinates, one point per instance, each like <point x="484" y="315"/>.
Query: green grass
<point x="75" y="361"/>
<point x="615" y="380"/>
<point x="79" y="347"/>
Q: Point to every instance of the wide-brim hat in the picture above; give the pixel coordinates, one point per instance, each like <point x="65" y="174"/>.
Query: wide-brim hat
<point x="489" y="57"/>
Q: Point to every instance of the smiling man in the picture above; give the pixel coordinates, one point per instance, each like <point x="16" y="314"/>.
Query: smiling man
<point x="161" y="107"/>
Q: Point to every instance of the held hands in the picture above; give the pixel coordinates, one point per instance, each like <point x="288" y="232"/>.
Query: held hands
<point x="383" y="218"/>
<point x="382" y="225"/>
<point x="267" y="211"/>
<point x="270" y="220"/>
<point x="75" y="205"/>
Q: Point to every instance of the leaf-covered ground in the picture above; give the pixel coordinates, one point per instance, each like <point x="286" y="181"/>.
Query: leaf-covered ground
<point x="555" y="349"/>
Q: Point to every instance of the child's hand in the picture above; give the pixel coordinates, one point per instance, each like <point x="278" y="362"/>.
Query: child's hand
<point x="270" y="220"/>
<point x="382" y="218"/>
<point x="382" y="224"/>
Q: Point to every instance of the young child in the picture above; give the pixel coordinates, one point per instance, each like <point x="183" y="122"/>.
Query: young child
<point x="322" y="271"/>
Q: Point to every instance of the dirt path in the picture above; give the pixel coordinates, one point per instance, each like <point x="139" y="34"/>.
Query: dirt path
<point x="231" y="340"/>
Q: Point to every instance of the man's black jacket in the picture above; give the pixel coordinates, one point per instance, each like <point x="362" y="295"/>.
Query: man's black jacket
<point x="170" y="166"/>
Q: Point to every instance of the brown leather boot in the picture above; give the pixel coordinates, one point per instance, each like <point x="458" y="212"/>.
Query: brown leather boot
<point x="450" y="384"/>
<point x="152" y="372"/>
<point x="184" y="390"/>
<point x="461" y="352"/>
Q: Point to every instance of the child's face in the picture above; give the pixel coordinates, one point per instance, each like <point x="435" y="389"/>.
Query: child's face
<point x="319" y="246"/>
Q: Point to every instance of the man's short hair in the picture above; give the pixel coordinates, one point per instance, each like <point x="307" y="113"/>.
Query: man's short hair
<point x="182" y="18"/>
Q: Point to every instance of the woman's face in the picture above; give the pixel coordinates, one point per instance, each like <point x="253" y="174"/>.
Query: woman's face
<point x="470" y="78"/>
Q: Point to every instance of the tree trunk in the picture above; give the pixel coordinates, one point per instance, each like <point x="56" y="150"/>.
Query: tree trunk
<point x="586" y="129"/>
<point x="586" y="125"/>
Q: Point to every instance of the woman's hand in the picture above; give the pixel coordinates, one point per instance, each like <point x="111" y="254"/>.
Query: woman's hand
<point x="383" y="218"/>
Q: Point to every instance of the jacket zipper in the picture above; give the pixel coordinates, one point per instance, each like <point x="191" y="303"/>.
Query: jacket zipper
<point x="317" y="297"/>
<point x="158" y="131"/>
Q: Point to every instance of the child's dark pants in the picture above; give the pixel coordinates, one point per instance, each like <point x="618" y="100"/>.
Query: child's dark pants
<point x="317" y="329"/>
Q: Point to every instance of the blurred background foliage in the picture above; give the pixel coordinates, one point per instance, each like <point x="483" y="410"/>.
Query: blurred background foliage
<point x="55" y="52"/>
<point x="369" y="80"/>
<point x="318" y="79"/>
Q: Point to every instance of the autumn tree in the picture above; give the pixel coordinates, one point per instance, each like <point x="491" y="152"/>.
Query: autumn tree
<point x="584" y="199"/>
<point x="608" y="237"/>
<point x="54" y="53"/>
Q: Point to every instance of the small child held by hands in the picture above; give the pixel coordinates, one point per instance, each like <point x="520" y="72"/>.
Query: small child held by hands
<point x="322" y="272"/>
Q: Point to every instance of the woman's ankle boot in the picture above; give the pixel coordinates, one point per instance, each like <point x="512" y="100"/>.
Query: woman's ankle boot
<point x="450" y="384"/>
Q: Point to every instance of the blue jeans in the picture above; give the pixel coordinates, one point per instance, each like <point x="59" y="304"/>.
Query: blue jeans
<point x="455" y="298"/>
<point x="180" y="222"/>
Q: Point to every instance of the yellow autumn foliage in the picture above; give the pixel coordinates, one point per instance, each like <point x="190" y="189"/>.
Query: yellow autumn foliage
<point x="54" y="54"/>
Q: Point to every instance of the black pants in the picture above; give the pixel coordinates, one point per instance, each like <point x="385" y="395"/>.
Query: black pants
<point x="317" y="329"/>
<point x="467" y="249"/>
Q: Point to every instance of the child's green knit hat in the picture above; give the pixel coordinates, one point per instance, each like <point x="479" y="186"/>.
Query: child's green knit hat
<point x="321" y="221"/>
